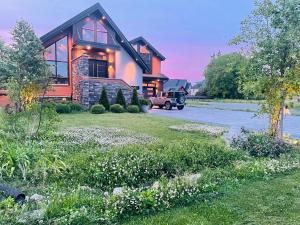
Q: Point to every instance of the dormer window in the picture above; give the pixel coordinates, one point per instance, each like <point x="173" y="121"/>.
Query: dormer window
<point x="94" y="31"/>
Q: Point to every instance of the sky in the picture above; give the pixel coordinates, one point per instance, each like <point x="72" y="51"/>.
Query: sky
<point x="186" y="32"/>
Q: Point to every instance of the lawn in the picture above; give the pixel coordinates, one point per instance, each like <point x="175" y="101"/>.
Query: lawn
<point x="274" y="202"/>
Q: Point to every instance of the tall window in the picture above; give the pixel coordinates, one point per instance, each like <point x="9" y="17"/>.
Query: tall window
<point x="56" y="56"/>
<point x="94" y="31"/>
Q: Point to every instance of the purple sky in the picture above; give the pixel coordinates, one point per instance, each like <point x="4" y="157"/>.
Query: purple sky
<point x="186" y="32"/>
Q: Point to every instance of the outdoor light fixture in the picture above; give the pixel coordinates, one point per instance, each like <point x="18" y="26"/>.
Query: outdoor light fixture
<point x="88" y="47"/>
<point x="103" y="17"/>
<point x="107" y="50"/>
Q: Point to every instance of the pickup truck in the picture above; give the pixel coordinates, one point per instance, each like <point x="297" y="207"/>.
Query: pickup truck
<point x="168" y="100"/>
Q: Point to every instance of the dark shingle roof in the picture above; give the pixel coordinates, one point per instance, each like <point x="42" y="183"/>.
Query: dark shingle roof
<point x="145" y="42"/>
<point x="97" y="7"/>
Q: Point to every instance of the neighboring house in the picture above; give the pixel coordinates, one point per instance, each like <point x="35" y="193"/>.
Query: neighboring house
<point x="177" y="85"/>
<point x="153" y="79"/>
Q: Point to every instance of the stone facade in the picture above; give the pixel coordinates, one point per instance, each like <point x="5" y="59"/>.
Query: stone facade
<point x="87" y="90"/>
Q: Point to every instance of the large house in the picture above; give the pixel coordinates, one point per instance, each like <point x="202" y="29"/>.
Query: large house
<point x="89" y="52"/>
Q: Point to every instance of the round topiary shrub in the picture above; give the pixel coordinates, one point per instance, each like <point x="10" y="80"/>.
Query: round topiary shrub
<point x="62" y="108"/>
<point x="133" y="109"/>
<point x="117" y="108"/>
<point x="97" y="109"/>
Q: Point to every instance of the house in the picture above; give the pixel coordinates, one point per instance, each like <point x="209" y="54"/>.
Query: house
<point x="153" y="79"/>
<point x="177" y="85"/>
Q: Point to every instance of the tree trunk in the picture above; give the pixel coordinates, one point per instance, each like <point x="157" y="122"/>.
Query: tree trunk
<point x="276" y="121"/>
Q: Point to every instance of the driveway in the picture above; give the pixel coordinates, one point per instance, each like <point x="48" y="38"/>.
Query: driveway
<point x="234" y="120"/>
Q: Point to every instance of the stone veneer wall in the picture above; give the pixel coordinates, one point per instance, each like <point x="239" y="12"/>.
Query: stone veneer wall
<point x="87" y="90"/>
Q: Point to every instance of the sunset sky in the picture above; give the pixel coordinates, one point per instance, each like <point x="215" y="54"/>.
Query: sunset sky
<point x="186" y="32"/>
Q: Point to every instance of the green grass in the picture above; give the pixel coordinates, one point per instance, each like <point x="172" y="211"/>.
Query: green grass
<point x="273" y="202"/>
<point x="139" y="123"/>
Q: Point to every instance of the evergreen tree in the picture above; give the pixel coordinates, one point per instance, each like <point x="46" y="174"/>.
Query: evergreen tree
<point x="120" y="98"/>
<point x="104" y="99"/>
<point x="135" y="99"/>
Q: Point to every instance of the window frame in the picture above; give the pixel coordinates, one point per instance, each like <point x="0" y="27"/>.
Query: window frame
<point x="55" y="62"/>
<point x="95" y="31"/>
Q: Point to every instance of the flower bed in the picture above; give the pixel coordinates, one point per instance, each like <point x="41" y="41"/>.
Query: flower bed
<point x="192" y="127"/>
<point x="103" y="136"/>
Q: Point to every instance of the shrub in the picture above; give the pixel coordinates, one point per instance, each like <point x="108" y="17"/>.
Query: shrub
<point x="133" y="109"/>
<point x="63" y="108"/>
<point x="76" y="107"/>
<point x="121" y="99"/>
<point x="135" y="98"/>
<point x="104" y="99"/>
<point x="260" y="144"/>
<point x="117" y="108"/>
<point x="97" y="109"/>
<point x="144" y="102"/>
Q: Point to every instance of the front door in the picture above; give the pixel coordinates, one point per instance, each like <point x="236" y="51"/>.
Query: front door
<point x="98" y="68"/>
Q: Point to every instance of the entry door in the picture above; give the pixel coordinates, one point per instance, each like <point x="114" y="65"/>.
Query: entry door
<point x="98" y="68"/>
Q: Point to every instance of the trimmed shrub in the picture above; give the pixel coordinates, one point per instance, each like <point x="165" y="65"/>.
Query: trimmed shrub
<point x="63" y="108"/>
<point x="104" y="100"/>
<point x="97" y="109"/>
<point x="144" y="101"/>
<point x="260" y="144"/>
<point x="133" y="109"/>
<point x="117" y="108"/>
<point x="135" y="98"/>
<point x="121" y="99"/>
<point x="76" y="107"/>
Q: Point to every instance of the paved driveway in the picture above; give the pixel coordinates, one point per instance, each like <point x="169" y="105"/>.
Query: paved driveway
<point x="235" y="120"/>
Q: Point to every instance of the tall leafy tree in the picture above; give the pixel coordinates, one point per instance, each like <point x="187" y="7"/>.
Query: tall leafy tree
<point x="23" y="68"/>
<point x="222" y="75"/>
<point x="271" y="35"/>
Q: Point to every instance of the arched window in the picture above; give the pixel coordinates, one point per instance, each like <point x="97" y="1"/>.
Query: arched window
<point x="94" y="31"/>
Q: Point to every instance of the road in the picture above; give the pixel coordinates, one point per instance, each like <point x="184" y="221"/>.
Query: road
<point x="234" y="120"/>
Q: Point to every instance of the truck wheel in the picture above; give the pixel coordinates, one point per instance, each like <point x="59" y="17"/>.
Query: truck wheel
<point x="168" y="106"/>
<point x="180" y="107"/>
<point x="161" y="106"/>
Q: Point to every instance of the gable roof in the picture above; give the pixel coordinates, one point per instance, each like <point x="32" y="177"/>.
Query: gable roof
<point x="143" y="40"/>
<point x="176" y="85"/>
<point x="97" y="8"/>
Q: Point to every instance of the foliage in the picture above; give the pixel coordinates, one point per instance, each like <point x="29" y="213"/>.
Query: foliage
<point x="121" y="99"/>
<point x="104" y="99"/>
<point x="24" y="70"/>
<point x="260" y="145"/>
<point x="272" y="36"/>
<point x="133" y="109"/>
<point x="75" y="107"/>
<point x="62" y="108"/>
<point x="136" y="165"/>
<point x="222" y="75"/>
<point x="97" y="109"/>
<point x="144" y="101"/>
<point x="117" y="108"/>
<point x="135" y="98"/>
<point x="38" y="121"/>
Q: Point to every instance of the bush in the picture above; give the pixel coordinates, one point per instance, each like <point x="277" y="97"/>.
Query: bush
<point x="97" y="109"/>
<point x="104" y="99"/>
<point x="260" y="144"/>
<point x="117" y="108"/>
<point x="133" y="109"/>
<point x="144" y="102"/>
<point x="62" y="108"/>
<point x="76" y="107"/>
<point x="135" y="98"/>
<point x="121" y="99"/>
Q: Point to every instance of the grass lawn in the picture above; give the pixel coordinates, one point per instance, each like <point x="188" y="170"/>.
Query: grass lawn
<point x="273" y="202"/>
<point x="139" y="123"/>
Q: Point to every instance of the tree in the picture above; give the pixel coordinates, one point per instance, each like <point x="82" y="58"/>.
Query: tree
<point x="271" y="35"/>
<point x="104" y="99"/>
<point x="222" y="75"/>
<point x="24" y="71"/>
<point x="120" y="98"/>
<point x="135" y="98"/>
